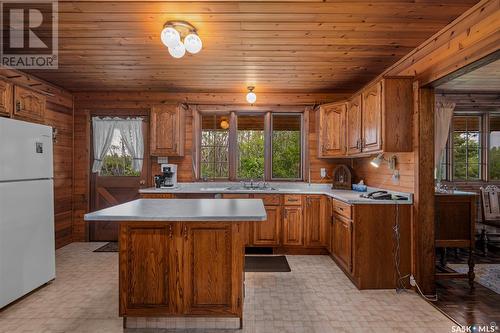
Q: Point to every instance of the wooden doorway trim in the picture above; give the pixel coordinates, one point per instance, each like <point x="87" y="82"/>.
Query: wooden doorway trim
<point x="423" y="218"/>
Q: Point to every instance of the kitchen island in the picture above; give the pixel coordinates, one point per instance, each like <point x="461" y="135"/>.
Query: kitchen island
<point x="181" y="258"/>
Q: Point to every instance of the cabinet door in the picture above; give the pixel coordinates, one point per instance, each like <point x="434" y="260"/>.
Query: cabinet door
<point x="331" y="130"/>
<point x="268" y="232"/>
<point x="28" y="105"/>
<point x="212" y="256"/>
<point x="354" y="125"/>
<point x="167" y="130"/>
<point x="147" y="271"/>
<point x="5" y="98"/>
<point x="371" y="121"/>
<point x="342" y="241"/>
<point x="293" y="225"/>
<point x="316" y="221"/>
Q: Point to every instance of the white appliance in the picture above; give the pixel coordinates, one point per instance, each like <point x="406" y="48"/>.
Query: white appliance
<point x="27" y="245"/>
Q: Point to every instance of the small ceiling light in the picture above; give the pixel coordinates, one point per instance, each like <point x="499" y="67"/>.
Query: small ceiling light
<point x="193" y="43"/>
<point x="179" y="37"/>
<point x="251" y="97"/>
<point x="170" y="37"/>
<point x="178" y="51"/>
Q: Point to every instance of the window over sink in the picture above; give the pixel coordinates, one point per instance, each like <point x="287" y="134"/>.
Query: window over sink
<point x="258" y="146"/>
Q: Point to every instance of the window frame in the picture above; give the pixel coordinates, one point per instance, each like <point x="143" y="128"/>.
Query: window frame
<point x="233" y="143"/>
<point x="484" y="140"/>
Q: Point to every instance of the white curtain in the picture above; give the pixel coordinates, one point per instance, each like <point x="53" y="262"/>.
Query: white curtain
<point x="131" y="131"/>
<point x="103" y="135"/>
<point x="442" y="120"/>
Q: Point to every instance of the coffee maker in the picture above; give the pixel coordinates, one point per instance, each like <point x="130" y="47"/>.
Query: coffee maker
<point x="168" y="177"/>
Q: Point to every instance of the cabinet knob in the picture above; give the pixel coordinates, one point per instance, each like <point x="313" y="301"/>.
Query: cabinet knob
<point x="170" y="232"/>
<point x="185" y="232"/>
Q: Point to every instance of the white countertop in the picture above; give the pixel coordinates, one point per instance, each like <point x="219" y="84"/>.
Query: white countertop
<point x="348" y="196"/>
<point x="216" y="210"/>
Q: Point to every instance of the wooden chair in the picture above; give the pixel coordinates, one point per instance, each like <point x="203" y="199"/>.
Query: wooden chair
<point x="491" y="215"/>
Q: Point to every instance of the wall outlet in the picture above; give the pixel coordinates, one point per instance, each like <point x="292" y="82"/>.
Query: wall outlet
<point x="395" y="177"/>
<point x="413" y="282"/>
<point x="322" y="172"/>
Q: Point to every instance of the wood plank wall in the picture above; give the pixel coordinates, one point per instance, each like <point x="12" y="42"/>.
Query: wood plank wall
<point x="86" y="102"/>
<point x="58" y="114"/>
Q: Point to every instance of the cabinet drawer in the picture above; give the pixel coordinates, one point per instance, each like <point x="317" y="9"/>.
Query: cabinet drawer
<point x="342" y="208"/>
<point x="269" y="199"/>
<point x="156" y="196"/>
<point x="292" y="200"/>
<point x="235" y="196"/>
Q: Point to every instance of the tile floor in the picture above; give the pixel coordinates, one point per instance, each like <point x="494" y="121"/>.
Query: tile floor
<point x="315" y="297"/>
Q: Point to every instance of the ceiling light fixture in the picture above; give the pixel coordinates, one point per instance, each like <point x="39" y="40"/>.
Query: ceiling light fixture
<point x="179" y="37"/>
<point x="251" y="97"/>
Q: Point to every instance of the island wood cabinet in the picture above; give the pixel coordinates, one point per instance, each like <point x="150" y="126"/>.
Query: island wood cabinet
<point x="378" y="119"/>
<point x="167" y="130"/>
<point x="191" y="268"/>
<point x="331" y="130"/>
<point x="28" y="105"/>
<point x="5" y="98"/>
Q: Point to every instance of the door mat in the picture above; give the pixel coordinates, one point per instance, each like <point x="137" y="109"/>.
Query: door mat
<point x="109" y="247"/>
<point x="266" y="264"/>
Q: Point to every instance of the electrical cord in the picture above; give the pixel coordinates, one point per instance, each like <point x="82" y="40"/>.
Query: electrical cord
<point x="401" y="285"/>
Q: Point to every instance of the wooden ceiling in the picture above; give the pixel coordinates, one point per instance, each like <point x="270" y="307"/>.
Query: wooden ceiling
<point x="483" y="79"/>
<point x="285" y="46"/>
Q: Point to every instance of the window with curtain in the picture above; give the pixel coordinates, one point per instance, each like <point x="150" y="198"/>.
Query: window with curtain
<point x="214" y="148"/>
<point x="118" y="146"/>
<point x="259" y="146"/>
<point x="466" y="147"/>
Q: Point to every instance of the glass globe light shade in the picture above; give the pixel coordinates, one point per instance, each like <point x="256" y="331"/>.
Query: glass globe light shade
<point x="224" y="124"/>
<point x="170" y="37"/>
<point x="178" y="51"/>
<point x="193" y="43"/>
<point x="251" y="97"/>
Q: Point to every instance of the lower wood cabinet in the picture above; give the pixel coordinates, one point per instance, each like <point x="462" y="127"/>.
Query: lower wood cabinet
<point x="342" y="241"/>
<point x="316" y="221"/>
<point x="293" y="226"/>
<point x="267" y="233"/>
<point x="181" y="268"/>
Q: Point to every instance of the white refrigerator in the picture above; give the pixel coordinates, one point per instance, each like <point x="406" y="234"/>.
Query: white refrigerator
<point x="27" y="244"/>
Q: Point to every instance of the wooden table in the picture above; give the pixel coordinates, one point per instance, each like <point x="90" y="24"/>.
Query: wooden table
<point x="455" y="221"/>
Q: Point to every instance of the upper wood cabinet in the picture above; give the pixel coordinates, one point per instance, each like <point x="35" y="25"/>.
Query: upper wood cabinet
<point x="5" y="98"/>
<point x="379" y="118"/>
<point x="371" y="118"/>
<point x="28" y="104"/>
<point x="331" y="130"/>
<point x="353" y="127"/>
<point x="167" y="130"/>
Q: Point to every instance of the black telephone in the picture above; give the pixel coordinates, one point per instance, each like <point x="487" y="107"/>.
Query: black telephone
<point x="383" y="195"/>
<point x="378" y="195"/>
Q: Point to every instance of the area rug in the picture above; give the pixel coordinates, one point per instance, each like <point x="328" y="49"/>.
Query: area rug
<point x="109" y="247"/>
<point x="487" y="275"/>
<point x="266" y="264"/>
